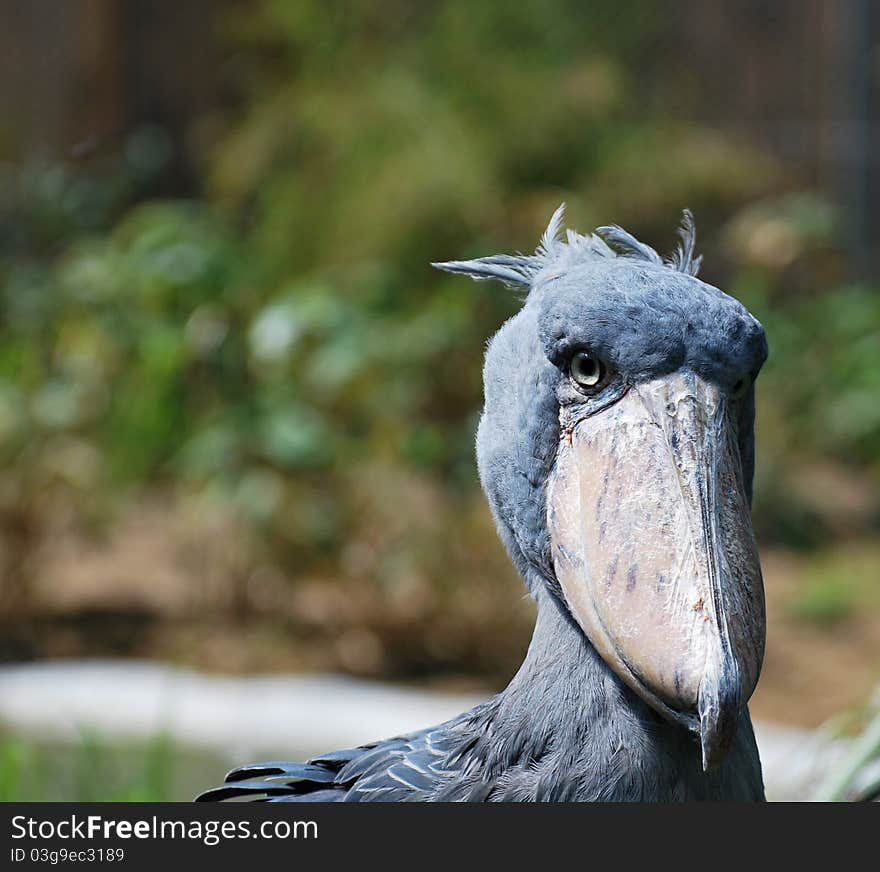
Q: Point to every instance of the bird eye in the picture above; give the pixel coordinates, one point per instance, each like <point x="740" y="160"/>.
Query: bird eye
<point x="586" y="370"/>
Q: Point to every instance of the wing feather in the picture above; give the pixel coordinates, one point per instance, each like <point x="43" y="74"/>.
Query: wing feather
<point x="397" y="770"/>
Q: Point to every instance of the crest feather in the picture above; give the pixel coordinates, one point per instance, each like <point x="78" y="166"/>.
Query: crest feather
<point x="520" y="270"/>
<point x="682" y="259"/>
<point x="550" y="239"/>
<point x="626" y="245"/>
<point x="513" y="270"/>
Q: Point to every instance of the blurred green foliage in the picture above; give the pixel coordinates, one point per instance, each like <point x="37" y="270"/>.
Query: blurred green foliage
<point x="838" y="584"/>
<point x="280" y="347"/>
<point x="91" y="771"/>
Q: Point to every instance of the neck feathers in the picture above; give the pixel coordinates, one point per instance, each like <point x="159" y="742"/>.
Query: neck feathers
<point x="567" y="729"/>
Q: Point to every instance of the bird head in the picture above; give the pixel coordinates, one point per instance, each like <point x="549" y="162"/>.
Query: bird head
<point x="616" y="448"/>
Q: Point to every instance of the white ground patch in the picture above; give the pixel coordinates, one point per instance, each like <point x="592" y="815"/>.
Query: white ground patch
<point x="245" y="718"/>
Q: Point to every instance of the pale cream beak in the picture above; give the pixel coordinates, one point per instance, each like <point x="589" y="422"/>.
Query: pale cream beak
<point x="654" y="550"/>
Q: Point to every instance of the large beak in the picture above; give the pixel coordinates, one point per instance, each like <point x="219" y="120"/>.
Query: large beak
<point x="654" y="550"/>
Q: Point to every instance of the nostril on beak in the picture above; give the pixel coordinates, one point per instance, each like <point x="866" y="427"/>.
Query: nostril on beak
<point x="739" y="387"/>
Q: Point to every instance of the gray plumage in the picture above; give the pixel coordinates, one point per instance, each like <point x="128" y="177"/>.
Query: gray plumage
<point x="566" y="728"/>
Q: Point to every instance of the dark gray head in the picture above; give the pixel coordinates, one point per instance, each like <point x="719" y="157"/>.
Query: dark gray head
<point x="616" y="450"/>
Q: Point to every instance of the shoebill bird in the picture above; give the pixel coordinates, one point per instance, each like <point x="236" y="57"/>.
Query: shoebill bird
<point x="616" y="449"/>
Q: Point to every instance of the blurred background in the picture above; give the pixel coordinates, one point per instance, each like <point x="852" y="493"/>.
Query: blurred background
<point x="237" y="407"/>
